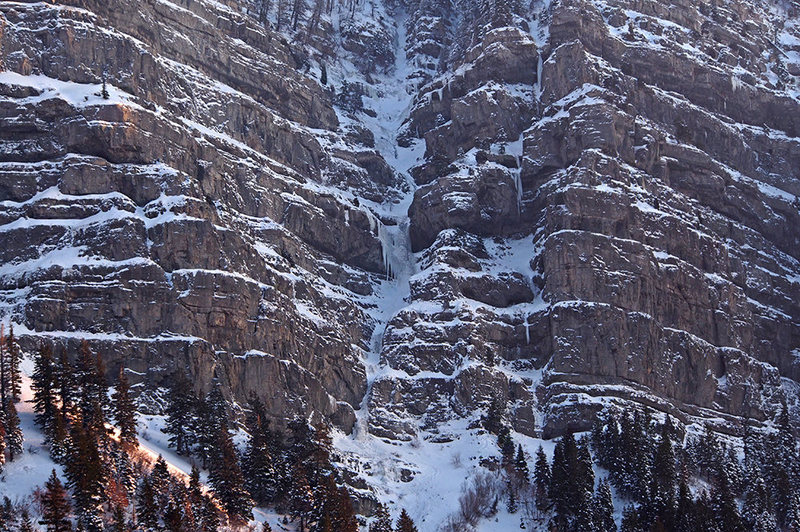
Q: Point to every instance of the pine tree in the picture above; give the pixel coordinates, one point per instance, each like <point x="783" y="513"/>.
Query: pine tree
<point x="160" y="480"/>
<point x="180" y="414"/>
<point x="124" y="410"/>
<point x="512" y="505"/>
<point x="2" y="444"/>
<point x="55" y="506"/>
<point x="405" y="523"/>
<point x="684" y="514"/>
<point x="603" y="508"/>
<point x="542" y="480"/>
<point x="521" y="465"/>
<point x="257" y="463"/>
<point x="146" y="508"/>
<point x="64" y="381"/>
<point x="227" y="480"/>
<point x="382" y="521"/>
<point x="43" y="385"/>
<point x="14" y="357"/>
<point x="13" y="431"/>
<point x="25" y="523"/>
<point x="724" y="504"/>
<point x="118" y="519"/>
<point x="336" y="512"/>
<point x="210" y="515"/>
<point x="86" y="476"/>
<point x="301" y="496"/>
<point x="174" y="519"/>
<point x="630" y="520"/>
<point x="59" y="438"/>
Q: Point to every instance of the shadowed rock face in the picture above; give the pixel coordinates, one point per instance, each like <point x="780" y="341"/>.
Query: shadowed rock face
<point x="605" y="213"/>
<point x="184" y="222"/>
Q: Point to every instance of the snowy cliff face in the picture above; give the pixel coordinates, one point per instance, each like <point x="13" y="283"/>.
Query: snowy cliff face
<point x="565" y="205"/>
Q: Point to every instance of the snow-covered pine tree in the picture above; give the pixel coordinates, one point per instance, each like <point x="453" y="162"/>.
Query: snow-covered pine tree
<point x="181" y="407"/>
<point x="301" y="496"/>
<point x="14" y="435"/>
<point x="257" y="462"/>
<point x="542" y="479"/>
<point x="603" y="508"/>
<point x="382" y="521"/>
<point x="43" y="385"/>
<point x="521" y="465"/>
<point x="160" y="480"/>
<point x="65" y="384"/>
<point x="664" y="476"/>
<point x="86" y="476"/>
<point x="211" y="419"/>
<point x="2" y="444"/>
<point x="124" y="410"/>
<point x="25" y="523"/>
<point x="405" y="523"/>
<point x="225" y="477"/>
<point x="724" y="504"/>
<point x="56" y="507"/>
<point x="146" y="508"/>
<point x="14" y="358"/>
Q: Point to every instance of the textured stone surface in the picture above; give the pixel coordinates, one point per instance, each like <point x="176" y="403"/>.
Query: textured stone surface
<point x="602" y="204"/>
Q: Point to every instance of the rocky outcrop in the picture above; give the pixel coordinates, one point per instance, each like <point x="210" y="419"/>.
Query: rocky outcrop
<point x="566" y="206"/>
<point x="183" y="222"/>
<point x="653" y="232"/>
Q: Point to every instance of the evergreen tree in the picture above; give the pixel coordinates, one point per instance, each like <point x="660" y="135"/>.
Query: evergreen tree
<point x="174" y="518"/>
<point x="211" y="419"/>
<point x="118" y="520"/>
<point x="405" y="523"/>
<point x="630" y="520"/>
<point x="603" y="508"/>
<point x="521" y="465"/>
<point x="301" y="496"/>
<point x="86" y="476"/>
<point x="180" y="410"/>
<point x="493" y="420"/>
<point x="512" y="505"/>
<point x="756" y="500"/>
<point x="124" y="410"/>
<point x="210" y="515"/>
<point x="2" y="444"/>
<point x="14" y="358"/>
<point x="59" y="438"/>
<point x="43" y="385"/>
<point x="382" y="521"/>
<point x="542" y="480"/>
<point x="227" y="480"/>
<point x="724" y="504"/>
<point x="13" y="431"/>
<point x="684" y="515"/>
<point x="160" y="480"/>
<point x="25" y="523"/>
<point x="55" y="506"/>
<point x="336" y="513"/>
<point x="64" y="381"/>
<point x="257" y="463"/>
<point x="146" y="507"/>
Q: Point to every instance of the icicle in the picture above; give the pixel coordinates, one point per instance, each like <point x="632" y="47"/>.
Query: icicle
<point x="386" y="248"/>
<point x="527" y="330"/>
<point x="387" y="242"/>
<point x="518" y="185"/>
<point x="539" y="87"/>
